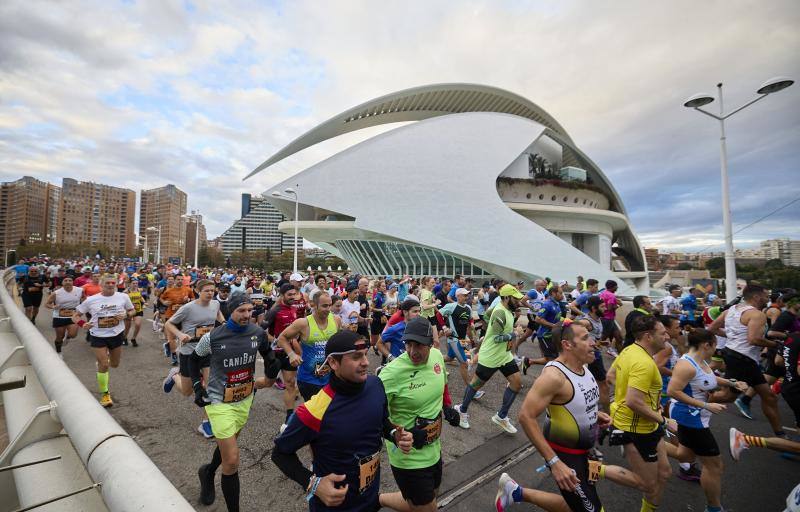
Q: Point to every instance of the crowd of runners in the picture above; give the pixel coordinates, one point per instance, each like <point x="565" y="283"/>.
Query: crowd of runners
<point x="674" y="363"/>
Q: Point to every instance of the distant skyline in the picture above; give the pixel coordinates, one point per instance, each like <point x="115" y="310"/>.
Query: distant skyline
<point x="142" y="94"/>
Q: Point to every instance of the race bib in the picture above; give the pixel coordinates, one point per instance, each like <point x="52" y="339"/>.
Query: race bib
<point x="34" y="289"/>
<point x="594" y="471"/>
<point x="433" y="428"/>
<point x="239" y="386"/>
<point x="201" y="330"/>
<point x="174" y="307"/>
<point x="257" y="300"/>
<point x="66" y="313"/>
<point x="107" y="322"/>
<point x="368" y="470"/>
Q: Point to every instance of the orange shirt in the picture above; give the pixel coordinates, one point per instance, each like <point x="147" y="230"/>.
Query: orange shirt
<point x="90" y="289"/>
<point x="177" y="297"/>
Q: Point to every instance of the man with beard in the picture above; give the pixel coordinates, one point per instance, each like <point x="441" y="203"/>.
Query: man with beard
<point x="277" y="319"/>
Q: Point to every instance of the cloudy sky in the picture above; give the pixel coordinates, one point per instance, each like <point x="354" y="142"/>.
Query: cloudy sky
<point x="198" y="93"/>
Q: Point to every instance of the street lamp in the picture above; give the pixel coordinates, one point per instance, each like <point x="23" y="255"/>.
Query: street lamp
<point x="158" y="247"/>
<point x="292" y="191"/>
<point x="196" y="216"/>
<point x="696" y="102"/>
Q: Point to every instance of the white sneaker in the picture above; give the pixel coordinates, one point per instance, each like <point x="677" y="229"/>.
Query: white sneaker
<point x="518" y="360"/>
<point x="283" y="427"/>
<point x="479" y="395"/>
<point x="463" y="417"/>
<point x="505" y="488"/>
<point x="737" y="444"/>
<point x="504" y="423"/>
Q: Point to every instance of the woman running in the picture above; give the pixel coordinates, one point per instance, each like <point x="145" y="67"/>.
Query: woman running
<point x="138" y="300"/>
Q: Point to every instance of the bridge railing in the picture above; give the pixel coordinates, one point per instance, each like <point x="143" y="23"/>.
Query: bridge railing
<point x="65" y="451"/>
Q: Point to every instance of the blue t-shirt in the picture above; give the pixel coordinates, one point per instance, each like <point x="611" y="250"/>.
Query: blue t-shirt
<point x="393" y="335"/>
<point x="581" y="301"/>
<point x="22" y="270"/>
<point x="402" y="291"/>
<point x="536" y="299"/>
<point x="551" y="312"/>
<point x="437" y="288"/>
<point x="689" y="304"/>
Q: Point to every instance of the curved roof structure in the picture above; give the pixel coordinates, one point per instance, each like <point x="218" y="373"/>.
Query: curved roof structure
<point x="416" y="104"/>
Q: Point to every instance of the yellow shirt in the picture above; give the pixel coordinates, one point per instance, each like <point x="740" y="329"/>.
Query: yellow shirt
<point x="266" y="287"/>
<point x="636" y="369"/>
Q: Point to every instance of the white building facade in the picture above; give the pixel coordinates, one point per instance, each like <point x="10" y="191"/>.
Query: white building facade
<point x="257" y="229"/>
<point x="483" y="183"/>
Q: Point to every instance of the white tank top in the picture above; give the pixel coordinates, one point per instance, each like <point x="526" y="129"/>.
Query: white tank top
<point x="573" y="425"/>
<point x="66" y="302"/>
<point x="736" y="332"/>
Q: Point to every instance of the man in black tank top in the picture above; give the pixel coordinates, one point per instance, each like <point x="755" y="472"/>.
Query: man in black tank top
<point x="566" y="384"/>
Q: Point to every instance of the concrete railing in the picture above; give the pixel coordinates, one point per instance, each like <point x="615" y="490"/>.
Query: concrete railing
<point x="65" y="451"/>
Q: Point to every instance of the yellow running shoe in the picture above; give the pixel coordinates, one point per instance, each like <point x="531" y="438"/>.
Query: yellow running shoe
<point x="106" y="401"/>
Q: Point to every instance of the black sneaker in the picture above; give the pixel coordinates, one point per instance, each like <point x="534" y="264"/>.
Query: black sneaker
<point x="526" y="363"/>
<point x="690" y="475"/>
<point x="125" y="342"/>
<point x="133" y="342"/>
<point x="207" y="492"/>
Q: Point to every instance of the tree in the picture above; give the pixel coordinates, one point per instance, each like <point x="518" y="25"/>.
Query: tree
<point x="684" y="266"/>
<point x="774" y="264"/>
<point x="715" y="264"/>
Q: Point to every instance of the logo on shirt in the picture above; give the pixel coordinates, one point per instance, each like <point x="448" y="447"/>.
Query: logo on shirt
<point x="437" y="369"/>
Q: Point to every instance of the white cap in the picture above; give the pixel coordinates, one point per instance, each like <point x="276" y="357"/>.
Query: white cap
<point x="295" y="277"/>
<point x="462" y="291"/>
<point x="563" y="282"/>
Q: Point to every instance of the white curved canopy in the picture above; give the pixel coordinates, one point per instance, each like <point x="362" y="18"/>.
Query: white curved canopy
<point x="416" y="104"/>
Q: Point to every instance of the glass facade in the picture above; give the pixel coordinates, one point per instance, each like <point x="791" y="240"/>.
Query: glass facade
<point x="381" y="258"/>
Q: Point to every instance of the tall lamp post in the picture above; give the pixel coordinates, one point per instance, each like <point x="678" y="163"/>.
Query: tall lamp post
<point x="696" y="102"/>
<point x="292" y="192"/>
<point x="196" y="217"/>
<point x="158" y="246"/>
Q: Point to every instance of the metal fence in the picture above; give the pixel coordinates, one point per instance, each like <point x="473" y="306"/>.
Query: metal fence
<point x="65" y="451"/>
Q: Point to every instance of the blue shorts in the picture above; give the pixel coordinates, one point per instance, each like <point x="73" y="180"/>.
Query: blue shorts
<point x="456" y="350"/>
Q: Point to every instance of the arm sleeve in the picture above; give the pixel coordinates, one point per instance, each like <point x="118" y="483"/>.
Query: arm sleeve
<point x="203" y="347"/>
<point x="447" y="310"/>
<point x="284" y="454"/>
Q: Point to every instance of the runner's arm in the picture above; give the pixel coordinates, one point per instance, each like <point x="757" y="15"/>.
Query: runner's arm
<point x="292" y="331"/>
<point x="756" y="328"/>
<point x="717" y="326"/>
<point x="681" y="375"/>
<point x="661" y="358"/>
<point x="51" y="301"/>
<point x="284" y="454"/>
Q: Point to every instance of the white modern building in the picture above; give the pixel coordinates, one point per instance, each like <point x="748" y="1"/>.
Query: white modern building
<point x="257" y="229"/>
<point x="483" y="183"/>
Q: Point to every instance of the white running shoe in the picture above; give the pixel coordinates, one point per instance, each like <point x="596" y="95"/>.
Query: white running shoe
<point x="737" y="444"/>
<point x="504" y="423"/>
<point x="463" y="421"/>
<point x="479" y="395"/>
<point x="505" y="488"/>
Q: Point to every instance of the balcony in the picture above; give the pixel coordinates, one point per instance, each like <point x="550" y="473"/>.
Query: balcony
<point x="553" y="192"/>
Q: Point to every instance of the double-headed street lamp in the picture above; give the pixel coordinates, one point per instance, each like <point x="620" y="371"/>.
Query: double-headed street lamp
<point x="195" y="215"/>
<point x="700" y="100"/>
<point x="292" y="192"/>
<point x="158" y="247"/>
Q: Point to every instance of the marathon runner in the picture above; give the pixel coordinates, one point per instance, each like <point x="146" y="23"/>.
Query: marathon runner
<point x="580" y="305"/>
<point x="343" y="424"/>
<point x="187" y="326"/>
<point x="671" y="304"/>
<point x="138" y="300"/>
<point x="312" y="333"/>
<point x="418" y="401"/>
<point x="349" y="314"/>
<point x="172" y="298"/>
<point x="461" y="334"/>
<point x="108" y="310"/>
<point x="641" y="307"/>
<point x="63" y="302"/>
<point x="495" y="354"/>
<point x="790" y="389"/>
<point x="33" y="285"/>
<point x="231" y="352"/>
<point x="277" y="319"/>
<point x="569" y="394"/>
<point x="610" y="328"/>
<point x="392" y="335"/>
<point x="548" y="316"/>
<point x="592" y="322"/>
<point x="745" y="327"/>
<point x="739" y="441"/>
<point x="780" y="326"/>
<point x="692" y="388"/>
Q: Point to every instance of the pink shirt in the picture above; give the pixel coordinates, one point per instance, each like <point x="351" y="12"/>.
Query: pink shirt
<point x="610" y="300"/>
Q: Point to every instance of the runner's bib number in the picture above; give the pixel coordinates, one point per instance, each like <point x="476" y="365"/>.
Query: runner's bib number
<point x="201" y="330"/>
<point x="107" y="322"/>
<point x="257" y="300"/>
<point x="66" y="313"/>
<point x="34" y="289"/>
<point x="594" y="471"/>
<point x="432" y="428"/>
<point x="239" y="386"/>
<point x="368" y="470"/>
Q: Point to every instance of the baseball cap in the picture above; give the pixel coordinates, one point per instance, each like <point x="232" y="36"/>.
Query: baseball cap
<point x="508" y="290"/>
<point x="462" y="291"/>
<point x="351" y="287"/>
<point x="408" y="303"/>
<point x="412" y="297"/>
<point x="285" y="288"/>
<point x="295" y="277"/>
<point x="344" y="342"/>
<point x="419" y="329"/>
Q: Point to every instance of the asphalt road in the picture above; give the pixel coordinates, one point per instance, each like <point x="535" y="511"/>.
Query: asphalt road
<point x="165" y="425"/>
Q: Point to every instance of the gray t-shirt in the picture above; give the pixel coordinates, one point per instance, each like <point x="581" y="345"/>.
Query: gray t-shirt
<point x="195" y="320"/>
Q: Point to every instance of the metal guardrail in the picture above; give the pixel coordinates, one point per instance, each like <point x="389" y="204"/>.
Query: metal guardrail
<point x="65" y="452"/>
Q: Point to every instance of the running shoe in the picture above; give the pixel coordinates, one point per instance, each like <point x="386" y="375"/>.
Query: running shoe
<point x="133" y="342"/>
<point x="690" y="475"/>
<point x="463" y="417"/>
<point x="207" y="493"/>
<point x="504" y="423"/>
<point x="279" y="384"/>
<point x="737" y="444"/>
<point x="506" y="487"/>
<point x="744" y="409"/>
<point x="205" y="429"/>
<point x="479" y="395"/>
<point x="519" y="360"/>
<point x="283" y="427"/>
<point x="169" y="382"/>
<point x="174" y="359"/>
<point x="124" y="342"/>
<point x="106" y="401"/>
<point x="165" y="346"/>
<point x="526" y="363"/>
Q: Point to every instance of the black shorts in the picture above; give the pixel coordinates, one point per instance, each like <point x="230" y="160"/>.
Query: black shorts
<point x="286" y="366"/>
<point x="645" y="444"/>
<point x="791" y="393"/>
<point x="741" y="367"/>
<point x="579" y="463"/>
<point x="700" y="440"/>
<point x="307" y="390"/>
<point x="772" y="369"/>
<point x="598" y="369"/>
<point x="110" y="343"/>
<point x="546" y="345"/>
<point x="183" y="363"/>
<point x="419" y="486"/>
<point x="376" y="327"/>
<point x="485" y="373"/>
<point x="33" y="300"/>
<point x="62" y="322"/>
<point x="609" y="326"/>
<point x="140" y="313"/>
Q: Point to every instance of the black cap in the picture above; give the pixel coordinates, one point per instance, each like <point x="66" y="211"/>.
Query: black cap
<point x="236" y="300"/>
<point x="286" y="287"/>
<point x="344" y="342"/>
<point x="407" y="304"/>
<point x="419" y="329"/>
<point x="351" y="287"/>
